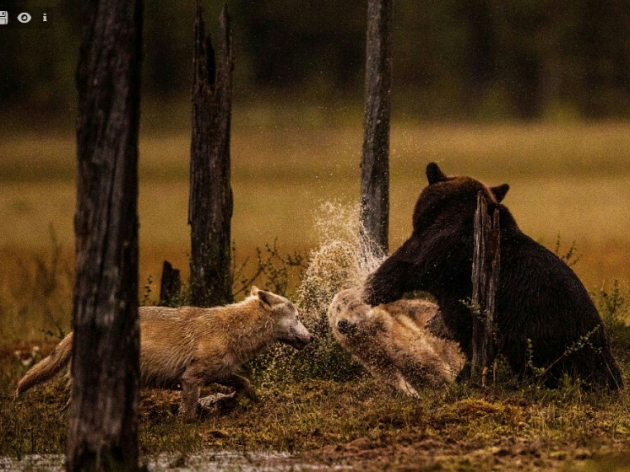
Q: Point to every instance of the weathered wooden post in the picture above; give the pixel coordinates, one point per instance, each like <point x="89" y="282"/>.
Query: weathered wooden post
<point x="374" y="215"/>
<point x="105" y="351"/>
<point x="170" y="285"/>
<point x="485" y="282"/>
<point x="210" y="202"/>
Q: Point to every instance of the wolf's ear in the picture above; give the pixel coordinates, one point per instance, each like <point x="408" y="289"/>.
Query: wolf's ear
<point x="254" y="291"/>
<point x="435" y="174"/>
<point x="500" y="191"/>
<point x="266" y="299"/>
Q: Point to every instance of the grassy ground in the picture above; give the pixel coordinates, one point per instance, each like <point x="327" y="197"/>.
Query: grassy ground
<point x="366" y="425"/>
<point x="567" y="180"/>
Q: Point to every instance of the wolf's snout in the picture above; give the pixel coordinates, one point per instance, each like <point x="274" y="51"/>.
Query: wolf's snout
<point x="300" y="343"/>
<point x="307" y="339"/>
<point x="300" y="337"/>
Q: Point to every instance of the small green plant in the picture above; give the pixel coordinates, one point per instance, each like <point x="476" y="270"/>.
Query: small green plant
<point x="45" y="279"/>
<point x="59" y="333"/>
<point x="146" y="293"/>
<point x="571" y="256"/>
<point x="533" y="370"/>
<point x="35" y="293"/>
<point x="538" y="375"/>
<point x="615" y="312"/>
<point x="474" y="308"/>
<point x="272" y="270"/>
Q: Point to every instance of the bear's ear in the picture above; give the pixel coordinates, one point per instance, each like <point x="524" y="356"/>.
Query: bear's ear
<point x="500" y="191"/>
<point x="254" y="291"/>
<point x="434" y="174"/>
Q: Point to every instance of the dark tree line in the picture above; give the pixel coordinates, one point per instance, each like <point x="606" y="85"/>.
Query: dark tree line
<point x="453" y="58"/>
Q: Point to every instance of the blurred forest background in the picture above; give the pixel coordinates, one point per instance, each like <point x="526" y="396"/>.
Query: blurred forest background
<point x="453" y="59"/>
<point x="535" y="93"/>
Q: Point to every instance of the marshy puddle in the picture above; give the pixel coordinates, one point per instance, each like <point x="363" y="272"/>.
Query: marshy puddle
<point x="207" y="461"/>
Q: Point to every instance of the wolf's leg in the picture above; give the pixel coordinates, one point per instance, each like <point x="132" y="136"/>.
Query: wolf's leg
<point x="241" y="388"/>
<point x="190" y="395"/>
<point x="240" y="385"/>
<point x="404" y="386"/>
<point x="389" y="373"/>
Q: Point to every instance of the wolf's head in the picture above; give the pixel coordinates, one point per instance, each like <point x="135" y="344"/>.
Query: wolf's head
<point x="351" y="319"/>
<point x="287" y="326"/>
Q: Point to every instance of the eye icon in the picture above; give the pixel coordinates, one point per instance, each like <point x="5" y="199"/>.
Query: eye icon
<point x="24" y="17"/>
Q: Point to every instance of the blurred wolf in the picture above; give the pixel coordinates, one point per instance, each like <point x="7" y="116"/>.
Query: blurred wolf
<point x="192" y="347"/>
<point x="393" y="342"/>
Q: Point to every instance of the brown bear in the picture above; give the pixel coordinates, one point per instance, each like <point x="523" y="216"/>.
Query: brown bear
<point x="545" y="317"/>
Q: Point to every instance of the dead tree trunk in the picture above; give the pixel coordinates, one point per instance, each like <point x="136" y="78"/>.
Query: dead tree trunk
<point x="485" y="282"/>
<point x="375" y="159"/>
<point x="170" y="285"/>
<point x="105" y="352"/>
<point x="210" y="202"/>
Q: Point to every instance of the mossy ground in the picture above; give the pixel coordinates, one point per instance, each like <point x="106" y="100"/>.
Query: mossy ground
<point x="360" y="423"/>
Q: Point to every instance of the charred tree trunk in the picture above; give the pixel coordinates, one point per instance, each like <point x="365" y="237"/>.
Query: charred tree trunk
<point x="105" y="352"/>
<point x="375" y="159"/>
<point x="170" y="285"/>
<point x="210" y="202"/>
<point x="485" y="281"/>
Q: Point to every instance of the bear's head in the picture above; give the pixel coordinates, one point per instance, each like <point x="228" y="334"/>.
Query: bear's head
<point x="448" y="201"/>
<point x="439" y="251"/>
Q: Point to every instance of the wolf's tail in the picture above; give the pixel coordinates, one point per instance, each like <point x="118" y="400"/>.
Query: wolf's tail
<point x="48" y="367"/>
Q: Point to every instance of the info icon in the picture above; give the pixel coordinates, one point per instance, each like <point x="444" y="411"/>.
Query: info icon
<point x="4" y="18"/>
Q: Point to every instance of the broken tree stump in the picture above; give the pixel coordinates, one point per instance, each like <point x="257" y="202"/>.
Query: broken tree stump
<point x="170" y="285"/>
<point x="485" y="282"/>
<point x="210" y="202"/>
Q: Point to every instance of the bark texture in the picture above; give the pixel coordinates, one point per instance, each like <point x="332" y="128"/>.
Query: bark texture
<point x="485" y="281"/>
<point x="375" y="159"/>
<point x="210" y="202"/>
<point x="105" y="353"/>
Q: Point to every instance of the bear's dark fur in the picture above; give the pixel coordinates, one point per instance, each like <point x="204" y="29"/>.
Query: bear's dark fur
<point x="539" y="297"/>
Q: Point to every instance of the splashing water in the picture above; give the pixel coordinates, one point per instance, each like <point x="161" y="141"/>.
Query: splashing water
<point x="343" y="260"/>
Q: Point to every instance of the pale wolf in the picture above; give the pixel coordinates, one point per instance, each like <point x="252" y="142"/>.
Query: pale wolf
<point x="393" y="343"/>
<point x="192" y="347"/>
